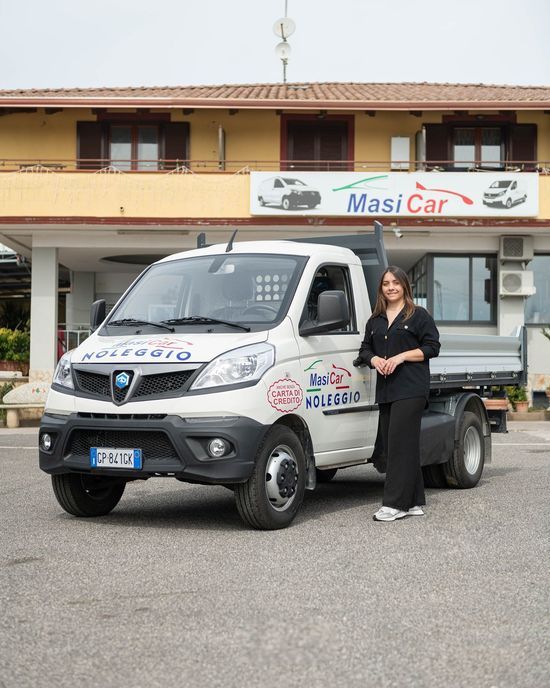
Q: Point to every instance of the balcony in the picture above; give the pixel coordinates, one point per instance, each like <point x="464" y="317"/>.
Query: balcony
<point x="197" y="189"/>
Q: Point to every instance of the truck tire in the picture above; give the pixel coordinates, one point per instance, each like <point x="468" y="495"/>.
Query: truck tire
<point x="87" y="495"/>
<point x="325" y="476"/>
<point x="286" y="203"/>
<point x="271" y="497"/>
<point x="465" y="467"/>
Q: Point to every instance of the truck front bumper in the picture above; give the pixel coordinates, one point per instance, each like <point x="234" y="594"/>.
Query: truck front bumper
<point x="170" y="445"/>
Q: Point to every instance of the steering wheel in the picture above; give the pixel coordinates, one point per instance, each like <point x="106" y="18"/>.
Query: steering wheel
<point x="261" y="307"/>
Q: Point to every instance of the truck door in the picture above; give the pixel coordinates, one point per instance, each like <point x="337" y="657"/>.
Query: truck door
<point x="339" y="399"/>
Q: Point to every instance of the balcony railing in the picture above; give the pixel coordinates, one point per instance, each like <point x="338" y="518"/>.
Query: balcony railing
<point x="102" y="166"/>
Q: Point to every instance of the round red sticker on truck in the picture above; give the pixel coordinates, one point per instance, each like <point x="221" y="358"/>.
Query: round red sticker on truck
<point x="285" y="395"/>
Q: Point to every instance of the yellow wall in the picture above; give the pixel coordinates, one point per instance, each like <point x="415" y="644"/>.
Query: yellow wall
<point x="77" y="194"/>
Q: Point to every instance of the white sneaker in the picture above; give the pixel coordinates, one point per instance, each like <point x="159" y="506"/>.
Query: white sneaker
<point x="416" y="511"/>
<point x="386" y="513"/>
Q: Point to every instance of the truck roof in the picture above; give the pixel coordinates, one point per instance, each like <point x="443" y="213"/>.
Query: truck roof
<point x="294" y="248"/>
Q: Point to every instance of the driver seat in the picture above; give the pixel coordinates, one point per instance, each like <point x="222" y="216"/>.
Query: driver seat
<point x="237" y="292"/>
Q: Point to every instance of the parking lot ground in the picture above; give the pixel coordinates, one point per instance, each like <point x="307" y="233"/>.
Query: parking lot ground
<point x="171" y="589"/>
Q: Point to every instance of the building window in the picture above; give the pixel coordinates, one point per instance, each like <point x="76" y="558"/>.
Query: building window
<point x="313" y="143"/>
<point x="468" y="144"/>
<point x="537" y="307"/>
<point x="456" y="289"/>
<point x="132" y="145"/>
<point x="478" y="146"/>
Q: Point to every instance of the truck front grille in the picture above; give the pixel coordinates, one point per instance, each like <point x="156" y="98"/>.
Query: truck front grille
<point x="154" y="444"/>
<point x="98" y="385"/>
<point x="95" y="384"/>
<point x="160" y="384"/>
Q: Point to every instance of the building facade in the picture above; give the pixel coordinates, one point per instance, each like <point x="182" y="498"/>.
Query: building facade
<point x="97" y="183"/>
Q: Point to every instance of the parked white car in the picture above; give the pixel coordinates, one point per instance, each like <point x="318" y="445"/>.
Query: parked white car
<point x="287" y="193"/>
<point x="505" y="192"/>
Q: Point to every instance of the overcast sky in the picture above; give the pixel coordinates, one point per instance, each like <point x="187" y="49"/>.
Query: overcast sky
<point x="68" y="43"/>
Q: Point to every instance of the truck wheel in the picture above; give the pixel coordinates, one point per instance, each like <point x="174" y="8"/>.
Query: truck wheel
<point x="434" y="476"/>
<point x="508" y="202"/>
<point x="465" y="467"/>
<point x="87" y="495"/>
<point x="271" y="497"/>
<point x="325" y="476"/>
<point x="261" y="201"/>
<point x="286" y="204"/>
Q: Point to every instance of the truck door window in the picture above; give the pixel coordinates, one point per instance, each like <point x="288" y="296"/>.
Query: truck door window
<point x="329" y="278"/>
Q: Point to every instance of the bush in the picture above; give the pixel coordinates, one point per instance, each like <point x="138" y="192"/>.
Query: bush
<point x="516" y="394"/>
<point x="14" y="345"/>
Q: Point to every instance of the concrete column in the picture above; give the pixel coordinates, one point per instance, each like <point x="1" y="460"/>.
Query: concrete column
<point x="44" y="285"/>
<point x="80" y="299"/>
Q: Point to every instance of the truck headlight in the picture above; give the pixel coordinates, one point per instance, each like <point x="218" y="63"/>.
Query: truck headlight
<point x="246" y="364"/>
<point x="500" y="193"/>
<point x="63" y="375"/>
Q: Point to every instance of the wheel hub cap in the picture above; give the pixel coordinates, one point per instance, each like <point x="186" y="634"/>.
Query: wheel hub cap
<point x="281" y="478"/>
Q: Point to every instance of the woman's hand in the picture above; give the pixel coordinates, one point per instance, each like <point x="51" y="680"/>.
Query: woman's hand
<point x="390" y="364"/>
<point x="386" y="366"/>
<point x="379" y="364"/>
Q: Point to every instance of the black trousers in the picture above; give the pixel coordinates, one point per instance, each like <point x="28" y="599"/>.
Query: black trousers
<point x="400" y="429"/>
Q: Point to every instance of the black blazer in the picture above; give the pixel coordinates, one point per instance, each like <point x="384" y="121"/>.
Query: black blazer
<point x="417" y="332"/>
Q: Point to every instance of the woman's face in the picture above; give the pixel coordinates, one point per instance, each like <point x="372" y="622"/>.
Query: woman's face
<point x="392" y="289"/>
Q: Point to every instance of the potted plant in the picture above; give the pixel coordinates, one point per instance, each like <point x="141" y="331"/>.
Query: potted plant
<point x="14" y="350"/>
<point x="518" y="398"/>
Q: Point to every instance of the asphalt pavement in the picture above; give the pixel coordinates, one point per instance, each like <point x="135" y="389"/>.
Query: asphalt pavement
<point x="172" y="589"/>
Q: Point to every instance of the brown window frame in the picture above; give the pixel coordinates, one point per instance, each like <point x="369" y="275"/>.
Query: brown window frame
<point x="349" y="120"/>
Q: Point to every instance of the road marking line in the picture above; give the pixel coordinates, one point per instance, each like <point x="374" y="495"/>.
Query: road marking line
<point x="33" y="447"/>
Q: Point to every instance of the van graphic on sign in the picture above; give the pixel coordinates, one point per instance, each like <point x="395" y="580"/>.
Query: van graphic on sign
<point x="287" y="193"/>
<point x="504" y="192"/>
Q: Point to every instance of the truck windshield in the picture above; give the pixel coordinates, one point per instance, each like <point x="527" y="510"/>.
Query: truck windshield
<point x="212" y="292"/>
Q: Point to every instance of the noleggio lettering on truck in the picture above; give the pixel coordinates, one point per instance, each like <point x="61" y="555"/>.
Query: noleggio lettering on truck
<point x="164" y="349"/>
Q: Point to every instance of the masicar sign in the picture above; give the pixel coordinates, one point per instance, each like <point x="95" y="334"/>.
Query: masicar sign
<point x="416" y="194"/>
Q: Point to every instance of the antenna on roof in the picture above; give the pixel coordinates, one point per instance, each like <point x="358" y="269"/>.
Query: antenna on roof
<point x="284" y="28"/>
<point x="230" y="243"/>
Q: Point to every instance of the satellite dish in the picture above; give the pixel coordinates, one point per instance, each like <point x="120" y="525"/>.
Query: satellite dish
<point x="284" y="27"/>
<point x="282" y="50"/>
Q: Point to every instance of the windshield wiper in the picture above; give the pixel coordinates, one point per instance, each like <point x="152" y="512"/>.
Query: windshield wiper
<point x="204" y="319"/>
<point x="128" y="322"/>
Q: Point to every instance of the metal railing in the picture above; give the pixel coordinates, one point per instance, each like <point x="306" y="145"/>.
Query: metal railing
<point x="68" y="339"/>
<point x="98" y="166"/>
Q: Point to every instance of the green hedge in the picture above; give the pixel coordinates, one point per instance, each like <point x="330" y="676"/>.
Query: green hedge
<point x="14" y="345"/>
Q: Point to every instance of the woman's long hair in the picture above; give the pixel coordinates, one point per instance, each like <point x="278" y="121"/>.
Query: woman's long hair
<point x="401" y="277"/>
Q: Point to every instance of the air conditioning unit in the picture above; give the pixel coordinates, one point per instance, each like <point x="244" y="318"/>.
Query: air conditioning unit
<point x="518" y="248"/>
<point x="516" y="283"/>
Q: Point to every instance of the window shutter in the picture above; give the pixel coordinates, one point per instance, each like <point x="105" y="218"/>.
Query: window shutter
<point x="523" y="144"/>
<point x="176" y="144"/>
<point x="437" y="144"/>
<point x="89" y="145"/>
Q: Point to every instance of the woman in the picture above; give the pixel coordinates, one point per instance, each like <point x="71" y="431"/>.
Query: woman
<point x="400" y="338"/>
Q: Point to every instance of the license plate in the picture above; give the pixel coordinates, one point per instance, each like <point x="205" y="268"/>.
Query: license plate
<point x="111" y="457"/>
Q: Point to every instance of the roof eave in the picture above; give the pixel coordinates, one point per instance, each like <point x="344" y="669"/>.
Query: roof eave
<point x="269" y="104"/>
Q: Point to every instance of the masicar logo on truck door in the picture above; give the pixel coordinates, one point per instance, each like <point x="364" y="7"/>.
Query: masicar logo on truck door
<point x="329" y="389"/>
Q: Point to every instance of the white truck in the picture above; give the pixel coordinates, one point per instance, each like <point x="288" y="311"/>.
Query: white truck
<point x="232" y="365"/>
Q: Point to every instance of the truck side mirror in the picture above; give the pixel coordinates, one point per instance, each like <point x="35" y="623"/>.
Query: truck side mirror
<point x="332" y="314"/>
<point x="97" y="314"/>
